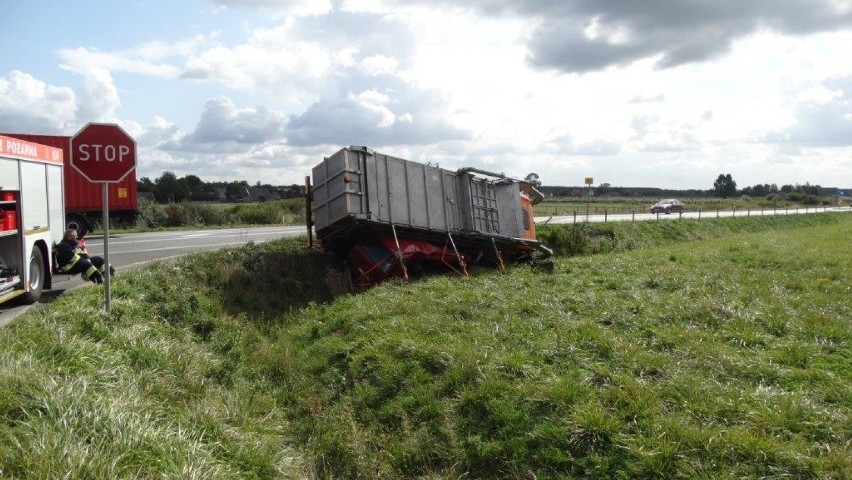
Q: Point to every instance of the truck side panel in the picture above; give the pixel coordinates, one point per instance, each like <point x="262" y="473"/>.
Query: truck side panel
<point x="9" y="178"/>
<point x="336" y="183"/>
<point x="84" y="196"/>
<point x="34" y="196"/>
<point x="409" y="194"/>
<point x="359" y="185"/>
<point x="55" y="205"/>
<point x="80" y="194"/>
<point x="511" y="211"/>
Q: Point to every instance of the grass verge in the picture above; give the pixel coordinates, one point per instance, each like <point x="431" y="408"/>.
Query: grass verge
<point x="726" y="356"/>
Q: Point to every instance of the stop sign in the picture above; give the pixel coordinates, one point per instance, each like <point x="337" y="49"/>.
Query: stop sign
<point x="103" y="153"/>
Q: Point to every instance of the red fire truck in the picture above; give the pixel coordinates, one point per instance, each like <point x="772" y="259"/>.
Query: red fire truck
<point x="32" y="217"/>
<point x="83" y="199"/>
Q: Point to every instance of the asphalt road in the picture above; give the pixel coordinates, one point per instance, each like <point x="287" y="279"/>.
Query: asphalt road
<point x="128" y="250"/>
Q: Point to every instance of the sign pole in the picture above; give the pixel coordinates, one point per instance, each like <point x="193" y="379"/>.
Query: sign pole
<point x="589" y="181"/>
<point x="105" y="223"/>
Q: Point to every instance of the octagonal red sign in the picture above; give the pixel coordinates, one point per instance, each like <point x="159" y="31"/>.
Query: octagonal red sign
<point x="103" y="153"/>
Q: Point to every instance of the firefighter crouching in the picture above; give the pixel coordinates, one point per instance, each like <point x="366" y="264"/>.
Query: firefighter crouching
<point x="73" y="258"/>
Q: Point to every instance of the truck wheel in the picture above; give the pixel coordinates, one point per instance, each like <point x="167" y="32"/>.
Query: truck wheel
<point x="36" y="275"/>
<point x="77" y="222"/>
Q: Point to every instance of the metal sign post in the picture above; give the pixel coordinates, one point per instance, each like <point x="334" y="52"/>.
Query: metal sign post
<point x="589" y="181"/>
<point x="105" y="213"/>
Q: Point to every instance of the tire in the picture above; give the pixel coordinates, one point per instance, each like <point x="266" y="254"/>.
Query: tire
<point x="36" y="273"/>
<point x="77" y="222"/>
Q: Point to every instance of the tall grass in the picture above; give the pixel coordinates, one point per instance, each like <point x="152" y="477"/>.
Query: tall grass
<point x="192" y="214"/>
<point x="710" y="359"/>
<point x="725" y="356"/>
<point x="592" y="238"/>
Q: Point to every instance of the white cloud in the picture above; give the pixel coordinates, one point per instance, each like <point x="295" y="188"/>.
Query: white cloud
<point x="370" y="118"/>
<point x="667" y="94"/>
<point x="98" y="98"/>
<point x="282" y="7"/>
<point x="584" y="36"/>
<point x="224" y="128"/>
<point x="272" y="64"/>
<point x="28" y="105"/>
<point x="379" y="65"/>
<point x="823" y="116"/>
<point x="819" y="94"/>
<point x="375" y="102"/>
<point x="82" y="60"/>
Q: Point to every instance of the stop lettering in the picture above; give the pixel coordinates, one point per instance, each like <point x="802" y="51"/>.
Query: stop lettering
<point x="98" y="152"/>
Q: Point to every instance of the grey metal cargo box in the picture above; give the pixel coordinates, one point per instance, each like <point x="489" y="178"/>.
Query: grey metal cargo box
<point x="358" y="186"/>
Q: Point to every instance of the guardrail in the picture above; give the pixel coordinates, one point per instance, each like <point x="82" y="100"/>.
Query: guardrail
<point x="633" y="216"/>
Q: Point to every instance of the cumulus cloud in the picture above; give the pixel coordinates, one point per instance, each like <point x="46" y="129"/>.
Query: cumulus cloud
<point x="567" y="144"/>
<point x="590" y="35"/>
<point x="228" y="143"/>
<point x="225" y="128"/>
<point x="823" y="116"/>
<point x="161" y="132"/>
<point x="28" y="105"/>
<point x="293" y="7"/>
<point x="145" y="60"/>
<point x="374" y="118"/>
<point x="98" y="98"/>
<point x="305" y="58"/>
<point x="272" y="63"/>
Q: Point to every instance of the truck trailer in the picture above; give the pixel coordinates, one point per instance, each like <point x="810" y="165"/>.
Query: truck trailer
<point x="385" y="216"/>
<point x="32" y="216"/>
<point x="83" y="199"/>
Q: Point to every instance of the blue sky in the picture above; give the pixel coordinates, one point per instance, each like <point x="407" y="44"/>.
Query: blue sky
<point x="670" y="94"/>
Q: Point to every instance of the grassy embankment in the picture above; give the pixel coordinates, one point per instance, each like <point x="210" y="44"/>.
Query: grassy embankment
<point x="726" y="356"/>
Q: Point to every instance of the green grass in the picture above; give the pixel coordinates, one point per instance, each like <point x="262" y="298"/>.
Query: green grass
<point x="591" y="238"/>
<point x="725" y="356"/>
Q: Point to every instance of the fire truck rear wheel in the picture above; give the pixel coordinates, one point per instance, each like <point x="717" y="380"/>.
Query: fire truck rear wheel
<point x="36" y="276"/>
<point x="77" y="222"/>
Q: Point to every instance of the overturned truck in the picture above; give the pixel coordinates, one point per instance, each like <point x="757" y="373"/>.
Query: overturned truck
<point x="389" y="217"/>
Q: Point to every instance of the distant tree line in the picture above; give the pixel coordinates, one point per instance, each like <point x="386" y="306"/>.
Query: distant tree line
<point x="168" y="188"/>
<point x="724" y="186"/>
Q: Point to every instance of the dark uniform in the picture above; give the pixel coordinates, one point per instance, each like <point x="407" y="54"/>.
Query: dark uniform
<point x="72" y="258"/>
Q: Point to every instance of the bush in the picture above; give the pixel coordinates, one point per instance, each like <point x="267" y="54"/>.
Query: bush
<point x="260" y="213"/>
<point x="194" y="214"/>
<point x="810" y="200"/>
<point x="565" y="239"/>
<point x="151" y="215"/>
